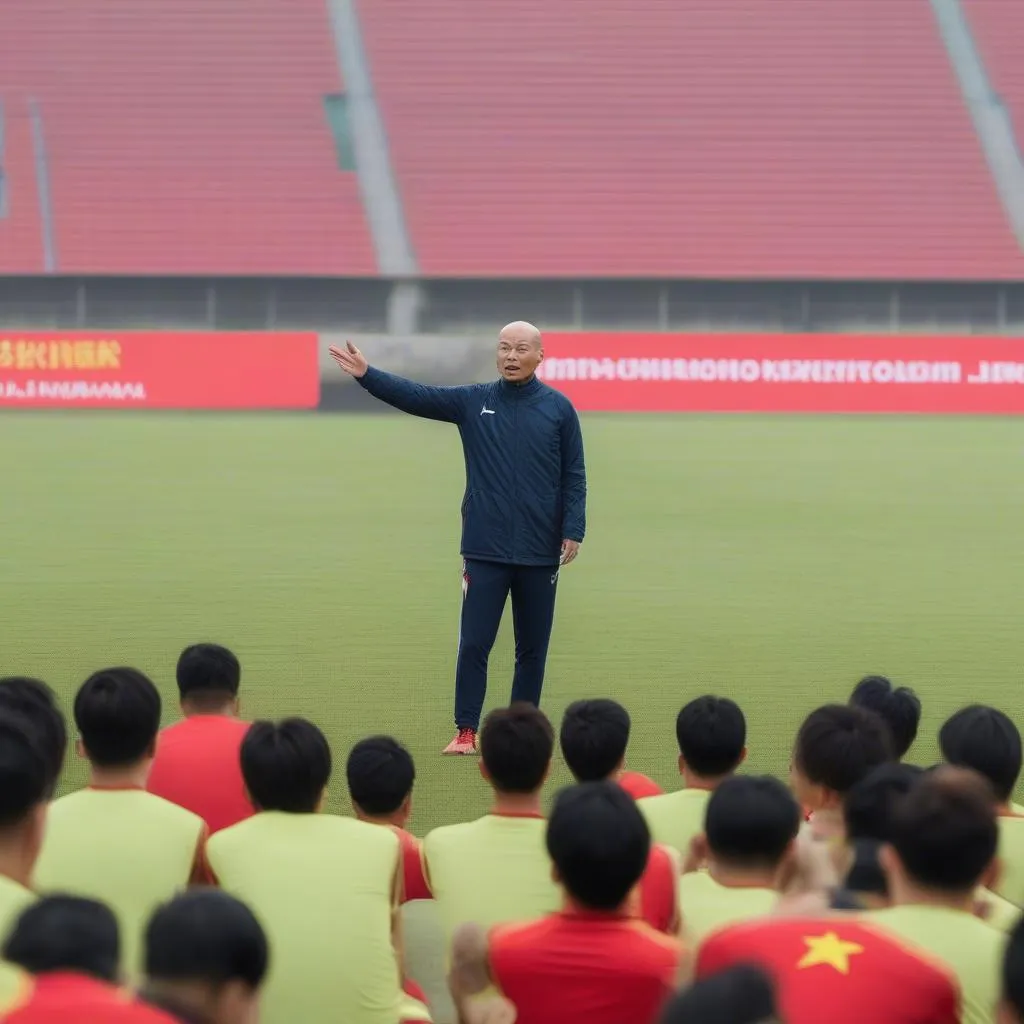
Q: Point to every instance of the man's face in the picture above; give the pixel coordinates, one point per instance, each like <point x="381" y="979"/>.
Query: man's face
<point x="519" y="355"/>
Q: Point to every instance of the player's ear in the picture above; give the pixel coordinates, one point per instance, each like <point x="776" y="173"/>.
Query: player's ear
<point x="236" y="706"/>
<point x="889" y="862"/>
<point x="483" y="772"/>
<point x="80" y="749"/>
<point x="322" y="800"/>
<point x="547" y="771"/>
<point x="682" y="764"/>
<point x="743" y="756"/>
<point x="151" y="750"/>
<point x="406" y="809"/>
<point x="992" y="874"/>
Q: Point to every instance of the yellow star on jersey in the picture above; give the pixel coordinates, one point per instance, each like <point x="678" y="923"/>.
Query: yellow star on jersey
<point x="829" y="949"/>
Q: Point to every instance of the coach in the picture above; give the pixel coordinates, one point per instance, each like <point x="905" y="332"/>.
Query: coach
<point x="523" y="514"/>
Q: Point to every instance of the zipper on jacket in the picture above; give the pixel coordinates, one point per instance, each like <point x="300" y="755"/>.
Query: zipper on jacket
<point x="515" y="473"/>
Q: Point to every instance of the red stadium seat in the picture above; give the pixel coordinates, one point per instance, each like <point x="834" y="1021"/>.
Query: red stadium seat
<point x="684" y="138"/>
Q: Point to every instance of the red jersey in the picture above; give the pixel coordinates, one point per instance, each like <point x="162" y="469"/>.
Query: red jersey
<point x="584" y="966"/>
<point x="413" y="877"/>
<point x="837" y="969"/>
<point x="659" y="890"/>
<point x="638" y="786"/>
<point x="198" y="767"/>
<point x="61" y="997"/>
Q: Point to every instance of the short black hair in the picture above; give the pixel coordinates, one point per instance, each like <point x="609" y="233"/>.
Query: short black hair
<point x="286" y="765"/>
<point x="25" y="771"/>
<point x="751" y="820"/>
<point x="593" y="737"/>
<point x="37" y="702"/>
<point x="945" y="830"/>
<point x="712" y="733"/>
<point x="898" y="706"/>
<point x="380" y="773"/>
<point x="985" y="739"/>
<point x="1013" y="970"/>
<point x="205" y="935"/>
<point x="838" y="745"/>
<point x="599" y="843"/>
<point x="743" y="994"/>
<point x="117" y="712"/>
<point x="869" y="804"/>
<point x="516" y="744"/>
<point x="208" y="673"/>
<point x="66" y="933"/>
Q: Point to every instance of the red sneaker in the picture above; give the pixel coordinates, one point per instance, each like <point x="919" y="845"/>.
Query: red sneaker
<point x="464" y="742"/>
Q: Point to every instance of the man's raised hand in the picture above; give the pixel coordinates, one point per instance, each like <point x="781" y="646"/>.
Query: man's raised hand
<point x="350" y="359"/>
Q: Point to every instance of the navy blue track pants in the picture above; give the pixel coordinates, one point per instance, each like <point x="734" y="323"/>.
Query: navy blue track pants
<point x="485" y="589"/>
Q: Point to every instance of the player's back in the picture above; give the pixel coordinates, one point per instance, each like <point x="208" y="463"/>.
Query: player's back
<point x="490" y="870"/>
<point x="969" y="946"/>
<point x="70" y="998"/>
<point x="125" y="847"/>
<point x="324" y="889"/>
<point x="837" y="969"/>
<point x="197" y="766"/>
<point x="707" y="906"/>
<point x="576" y="965"/>
<point x="1010" y="884"/>
<point x="675" y="818"/>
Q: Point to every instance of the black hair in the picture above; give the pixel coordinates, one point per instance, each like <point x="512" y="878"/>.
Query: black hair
<point x="865" y="873"/>
<point x="945" y="830"/>
<point x="712" y="733"/>
<point x="205" y="935"/>
<point x="380" y="773"/>
<point x="743" y="994"/>
<point x="593" y="737"/>
<point x="599" y="843"/>
<point x="985" y="739"/>
<point x="286" y="765"/>
<point x="208" y="674"/>
<point x="37" y="702"/>
<point x="1013" y="970"/>
<point x="117" y="712"/>
<point x="751" y="820"/>
<point x="838" y="745"/>
<point x="25" y="771"/>
<point x="516" y="744"/>
<point x="66" y="933"/>
<point x="898" y="706"/>
<point x="868" y="805"/>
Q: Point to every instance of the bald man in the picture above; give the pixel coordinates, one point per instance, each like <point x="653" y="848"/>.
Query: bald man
<point x="523" y="513"/>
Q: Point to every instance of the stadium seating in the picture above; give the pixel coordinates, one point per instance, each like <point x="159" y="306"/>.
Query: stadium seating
<point x="21" y="239"/>
<point x="998" y="28"/>
<point x="190" y="138"/>
<point x="684" y="138"/>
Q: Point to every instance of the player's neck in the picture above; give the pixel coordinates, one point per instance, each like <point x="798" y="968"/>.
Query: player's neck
<point x="222" y="709"/>
<point x="520" y="805"/>
<point x="905" y="893"/>
<point x="16" y="861"/>
<point x="133" y="776"/>
<point x="708" y="783"/>
<point x="738" y="878"/>
<point x="396" y="820"/>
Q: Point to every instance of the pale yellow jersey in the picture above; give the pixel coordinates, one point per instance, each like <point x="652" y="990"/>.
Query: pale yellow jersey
<point x="1011" y="856"/>
<point x="490" y="871"/>
<point x="705" y="905"/>
<point x="675" y="818"/>
<point x="325" y="889"/>
<point x="965" y="943"/>
<point x="14" y="898"/>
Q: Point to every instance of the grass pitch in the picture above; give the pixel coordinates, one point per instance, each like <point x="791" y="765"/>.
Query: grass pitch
<point x="772" y="559"/>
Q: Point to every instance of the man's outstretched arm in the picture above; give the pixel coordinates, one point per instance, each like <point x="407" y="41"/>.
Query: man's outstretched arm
<point x="429" y="401"/>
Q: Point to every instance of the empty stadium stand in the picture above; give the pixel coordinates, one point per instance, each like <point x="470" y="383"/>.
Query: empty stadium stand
<point x="188" y="138"/>
<point x="21" y="235"/>
<point x="684" y="138"/>
<point x="998" y="29"/>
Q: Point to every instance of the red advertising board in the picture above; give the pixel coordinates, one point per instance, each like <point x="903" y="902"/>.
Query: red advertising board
<point x="158" y="370"/>
<point x="837" y="373"/>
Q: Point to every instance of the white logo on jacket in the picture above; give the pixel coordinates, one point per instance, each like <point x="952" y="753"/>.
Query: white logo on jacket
<point x="485" y="411"/>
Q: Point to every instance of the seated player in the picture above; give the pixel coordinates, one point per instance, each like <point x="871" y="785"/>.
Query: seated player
<point x="712" y="734"/>
<point x="986" y="740"/>
<point x="380" y="774"/>
<point x="739" y="995"/>
<point x="898" y="706"/>
<point x="590" y="961"/>
<point x="750" y="829"/>
<point x="593" y="738"/>
<point x="206" y="959"/>
<point x="197" y="764"/>
<point x="496" y="868"/>
<point x="113" y="841"/>
<point x="835" y="748"/>
<point x="71" y="948"/>
<point x="37" y="703"/>
<point x="1011" y="1006"/>
<point x="324" y="887"/>
<point x="942" y="847"/>
<point x="26" y="779"/>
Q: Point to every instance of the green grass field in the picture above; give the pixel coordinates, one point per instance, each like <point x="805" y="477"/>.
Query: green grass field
<point x="770" y="559"/>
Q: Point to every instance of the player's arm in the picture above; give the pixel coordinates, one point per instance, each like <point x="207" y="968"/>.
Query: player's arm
<point x="574" y="486"/>
<point x="470" y="975"/>
<point x="426" y="400"/>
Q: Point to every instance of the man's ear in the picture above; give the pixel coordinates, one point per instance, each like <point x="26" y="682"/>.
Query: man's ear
<point x="889" y="862"/>
<point x="743" y="756"/>
<point x="485" y="774"/>
<point x="323" y="800"/>
<point x="992" y="874"/>
<point x="547" y="770"/>
<point x="682" y="764"/>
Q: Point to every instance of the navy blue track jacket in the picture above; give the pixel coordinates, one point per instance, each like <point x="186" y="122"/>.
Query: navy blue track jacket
<point x="526" y="485"/>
